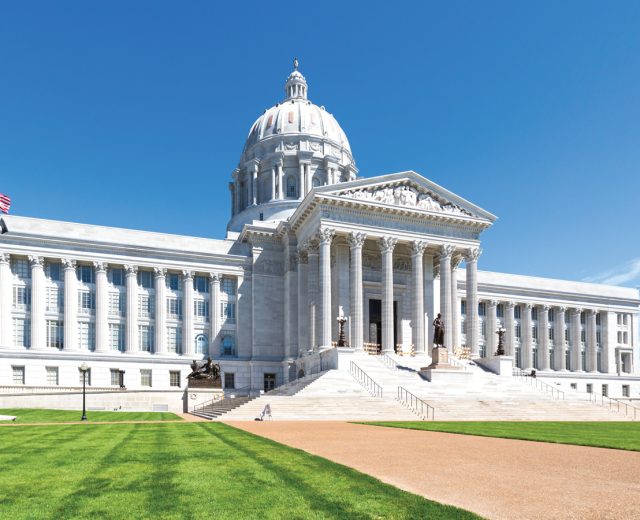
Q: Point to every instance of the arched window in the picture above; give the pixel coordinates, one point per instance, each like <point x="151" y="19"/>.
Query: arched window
<point x="202" y="344"/>
<point x="291" y="187"/>
<point x="228" y="346"/>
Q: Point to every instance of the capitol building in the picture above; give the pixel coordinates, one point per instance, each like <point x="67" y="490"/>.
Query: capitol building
<point x="312" y="247"/>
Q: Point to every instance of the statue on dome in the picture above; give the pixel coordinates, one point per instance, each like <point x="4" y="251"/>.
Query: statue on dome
<point x="295" y="64"/>
<point x="438" y="331"/>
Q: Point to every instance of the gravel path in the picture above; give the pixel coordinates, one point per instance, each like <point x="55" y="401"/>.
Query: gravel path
<point x="496" y="478"/>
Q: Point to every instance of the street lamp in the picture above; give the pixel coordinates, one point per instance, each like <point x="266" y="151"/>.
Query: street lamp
<point x="500" y="332"/>
<point x="84" y="368"/>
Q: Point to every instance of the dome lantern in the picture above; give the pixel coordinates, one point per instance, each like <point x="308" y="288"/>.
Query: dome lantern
<point x="296" y="85"/>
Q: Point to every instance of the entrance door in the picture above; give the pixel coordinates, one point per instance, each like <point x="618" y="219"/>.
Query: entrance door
<point x="269" y="382"/>
<point x="375" y="320"/>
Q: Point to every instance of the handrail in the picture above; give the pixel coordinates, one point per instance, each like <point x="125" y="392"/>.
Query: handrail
<point x="455" y="361"/>
<point x="537" y="383"/>
<point x="415" y="404"/>
<point x="365" y="380"/>
<point x="593" y="398"/>
<point x="388" y="361"/>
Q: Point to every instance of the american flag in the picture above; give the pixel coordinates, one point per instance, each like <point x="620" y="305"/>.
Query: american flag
<point x="5" y="203"/>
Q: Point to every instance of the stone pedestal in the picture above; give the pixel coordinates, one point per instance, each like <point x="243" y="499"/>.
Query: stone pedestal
<point x="439" y="357"/>
<point x="441" y="370"/>
<point x="501" y="365"/>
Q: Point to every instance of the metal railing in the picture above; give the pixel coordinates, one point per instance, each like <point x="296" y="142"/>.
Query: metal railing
<point x="208" y="403"/>
<point x="415" y="404"/>
<point x="455" y="361"/>
<point x="537" y="383"/>
<point x="365" y="380"/>
<point x="614" y="404"/>
<point x="388" y="361"/>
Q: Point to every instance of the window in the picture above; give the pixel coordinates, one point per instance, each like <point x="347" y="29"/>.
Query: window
<point x="517" y="312"/>
<point x="174" y="378"/>
<point x="202" y="344"/>
<point x="145" y="338"/>
<point x="228" y="346"/>
<point x="174" y="308"/>
<point x="583" y="335"/>
<point x="583" y="360"/>
<point x="21" y="332"/>
<point x="174" y="339"/>
<point x="145" y="377"/>
<point x="518" y="331"/>
<point x="291" y="187"/>
<point x="18" y="375"/>
<point x="567" y="359"/>
<point x="54" y="271"/>
<point x="229" y="380"/>
<point x="228" y="312"/>
<point x="566" y="334"/>
<point x="54" y="299"/>
<point x="589" y="388"/>
<point x="55" y="334"/>
<point x="534" y="354"/>
<point x="534" y="332"/>
<point x="534" y="313"/>
<point x="85" y="274"/>
<point x="86" y="302"/>
<point x="87" y="335"/>
<point x="483" y="328"/>
<point x="551" y="333"/>
<point x="228" y="286"/>
<point x="625" y="391"/>
<point x="463" y="307"/>
<point x="500" y="310"/>
<point x="115" y="377"/>
<point x="597" y="318"/>
<point x="146" y="305"/>
<point x="619" y="337"/>
<point x="201" y="310"/>
<point x="116" y="336"/>
<point x="200" y="284"/>
<point x="552" y="315"/>
<point x="605" y="390"/>
<point x="582" y="318"/>
<point x="81" y="376"/>
<point x="482" y="309"/>
<point x="574" y="386"/>
<point x="116" y="276"/>
<point x="52" y="376"/>
<point x="598" y="337"/>
<point x="20" y="268"/>
<point x="173" y="281"/>
<point x="518" y="357"/>
<point x="552" y="360"/>
<point x="599" y="361"/>
<point x="145" y="279"/>
<point x="116" y="304"/>
<point x="21" y="297"/>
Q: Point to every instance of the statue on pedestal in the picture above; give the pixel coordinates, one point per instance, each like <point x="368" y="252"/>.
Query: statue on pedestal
<point x="205" y="375"/>
<point x="438" y="331"/>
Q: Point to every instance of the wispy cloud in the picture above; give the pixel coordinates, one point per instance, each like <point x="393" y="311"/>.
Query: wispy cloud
<point x="625" y="274"/>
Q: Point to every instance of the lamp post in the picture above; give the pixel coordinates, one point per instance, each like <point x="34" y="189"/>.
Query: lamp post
<point x="500" y="332"/>
<point x="83" y="369"/>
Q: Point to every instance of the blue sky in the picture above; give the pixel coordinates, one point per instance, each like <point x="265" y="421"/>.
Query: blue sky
<point x="134" y="114"/>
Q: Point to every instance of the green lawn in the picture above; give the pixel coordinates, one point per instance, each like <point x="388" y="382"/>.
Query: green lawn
<point x="185" y="470"/>
<point x="36" y="415"/>
<point x="618" y="435"/>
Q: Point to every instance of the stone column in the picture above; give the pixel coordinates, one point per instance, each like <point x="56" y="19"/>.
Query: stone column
<point x="6" y="292"/>
<point x="356" y="241"/>
<point x="309" y="177"/>
<point x="609" y="340"/>
<point x="214" y="314"/>
<point x="312" y="293"/>
<point x="445" y="294"/>
<point x="303" y="303"/>
<point x="301" y="183"/>
<point x="429" y="304"/>
<point x="70" y="305"/>
<point x="510" y="327"/>
<point x="281" y="186"/>
<point x="325" y="237"/>
<point x="592" y="347"/>
<point x="455" y="304"/>
<point x="559" y="341"/>
<point x="102" y="307"/>
<point x="160" y="283"/>
<point x="38" y="324"/>
<point x="254" y="187"/>
<point x="472" y="321"/>
<point x="274" y="194"/>
<point x="188" y="340"/>
<point x="575" y="341"/>
<point x="387" y="244"/>
<point x="491" y="328"/>
<point x="131" y="346"/>
<point x="543" y="337"/>
<point x="526" y="345"/>
<point x="417" y="265"/>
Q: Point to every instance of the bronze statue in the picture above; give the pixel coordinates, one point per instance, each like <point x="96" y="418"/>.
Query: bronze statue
<point x="438" y="331"/>
<point x="205" y="371"/>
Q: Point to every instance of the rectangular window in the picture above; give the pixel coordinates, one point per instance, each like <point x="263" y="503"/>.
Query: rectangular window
<point x="54" y="299"/>
<point x="517" y="312"/>
<point x="534" y="313"/>
<point x="201" y="309"/>
<point x="619" y="337"/>
<point x="21" y="332"/>
<point x="228" y="312"/>
<point x="552" y="315"/>
<point x="81" y="376"/>
<point x="625" y="338"/>
<point x="174" y="339"/>
<point x="625" y="391"/>
<point x="115" y="377"/>
<point x="583" y="335"/>
<point x="174" y="308"/>
<point x="200" y="284"/>
<point x="172" y="281"/>
<point x="116" y="304"/>
<point x="599" y="360"/>
<point x="567" y="336"/>
<point x="115" y="276"/>
<point x="567" y="359"/>
<point x="483" y="328"/>
<point x="229" y="380"/>
<point x="583" y="318"/>
<point x="146" y="305"/>
<point x="500" y="310"/>
<point x="552" y="360"/>
<point x="116" y="336"/>
<point x="551" y="333"/>
<point x="86" y="302"/>
<point x="534" y="332"/>
<point x="21" y="298"/>
<point x="55" y="334"/>
<point x="145" y="338"/>
<point x="86" y="335"/>
<point x="589" y="388"/>
<point x="174" y="378"/>
<point x="54" y="271"/>
<point x="85" y="274"/>
<point x="228" y="286"/>
<point x="463" y="307"/>
<point x="605" y="390"/>
<point x="598" y="337"/>
<point x="482" y="309"/>
<point x="52" y="376"/>
<point x="18" y="375"/>
<point x="518" y="331"/>
<point x="145" y="377"/>
<point x="20" y="268"/>
<point x="145" y="279"/>
<point x="598" y="319"/>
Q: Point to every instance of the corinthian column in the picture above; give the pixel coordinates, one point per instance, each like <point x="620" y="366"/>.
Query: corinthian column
<point x="417" y="253"/>
<point x="455" y="303"/>
<point x="6" y="330"/>
<point x="38" y="325"/>
<point x="214" y="313"/>
<point x="188" y="346"/>
<point x="592" y="348"/>
<point x="160" y="284"/>
<point x="491" y="327"/>
<point x="132" y="309"/>
<point x="510" y="326"/>
<point x="387" y="244"/>
<point x="70" y="305"/>
<point x="312" y="292"/>
<point x="575" y="344"/>
<point x="472" y="301"/>
<point x="527" y="343"/>
<point x="559" y="343"/>
<point x="325" y="237"/>
<point x="303" y="306"/>
<point x="445" y="294"/>
<point x="543" y="337"/>
<point x="102" y="308"/>
<point x="356" y="241"/>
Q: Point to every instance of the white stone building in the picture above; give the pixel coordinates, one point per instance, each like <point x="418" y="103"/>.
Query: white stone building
<point x="308" y="239"/>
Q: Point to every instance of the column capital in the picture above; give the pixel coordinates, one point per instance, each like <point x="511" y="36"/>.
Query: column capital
<point x="455" y="261"/>
<point x="561" y="308"/>
<point x="387" y="244"/>
<point x="69" y="264"/>
<point x="4" y="258"/>
<point x="215" y="277"/>
<point x="544" y="307"/>
<point x="356" y="239"/>
<point x="446" y="250"/>
<point x="312" y="246"/>
<point x="493" y="303"/>
<point x="131" y="269"/>
<point x="527" y="306"/>
<point x="418" y="247"/>
<point x="159" y="272"/>
<point x="303" y="256"/>
<point x="510" y="305"/>
<point x="325" y="236"/>
<point x="472" y="254"/>
<point x="576" y="311"/>
<point x="100" y="267"/>
<point x="187" y="275"/>
<point x="36" y="261"/>
<point x="591" y="312"/>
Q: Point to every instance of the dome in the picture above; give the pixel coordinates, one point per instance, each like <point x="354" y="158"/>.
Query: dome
<point x="292" y="147"/>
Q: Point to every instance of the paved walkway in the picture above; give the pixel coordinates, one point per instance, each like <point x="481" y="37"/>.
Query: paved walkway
<point x="496" y="478"/>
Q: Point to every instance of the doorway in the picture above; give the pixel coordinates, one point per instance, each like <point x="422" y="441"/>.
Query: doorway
<point x="375" y="323"/>
<point x="269" y="382"/>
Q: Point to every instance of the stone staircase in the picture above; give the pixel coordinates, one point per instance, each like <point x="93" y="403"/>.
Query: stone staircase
<point x="218" y="408"/>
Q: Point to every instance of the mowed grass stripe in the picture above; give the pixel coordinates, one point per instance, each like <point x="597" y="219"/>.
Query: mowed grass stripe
<point x="616" y="435"/>
<point x="37" y="415"/>
<point x="185" y="470"/>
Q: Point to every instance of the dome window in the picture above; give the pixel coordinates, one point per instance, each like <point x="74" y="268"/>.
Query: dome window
<point x="270" y="121"/>
<point x="291" y="187"/>
<point x="292" y="117"/>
